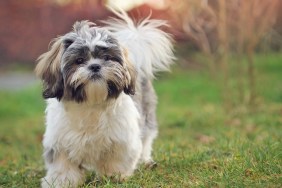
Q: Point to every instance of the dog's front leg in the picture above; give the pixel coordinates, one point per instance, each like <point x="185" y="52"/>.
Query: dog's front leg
<point x="62" y="173"/>
<point x="120" y="163"/>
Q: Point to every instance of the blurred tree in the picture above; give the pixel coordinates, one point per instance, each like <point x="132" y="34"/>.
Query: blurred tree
<point x="249" y="21"/>
<point x="196" y="19"/>
<point x="239" y="24"/>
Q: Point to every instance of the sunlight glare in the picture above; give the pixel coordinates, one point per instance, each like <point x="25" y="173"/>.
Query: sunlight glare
<point x="125" y="4"/>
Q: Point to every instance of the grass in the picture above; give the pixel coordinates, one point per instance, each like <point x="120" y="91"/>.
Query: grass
<point x="199" y="144"/>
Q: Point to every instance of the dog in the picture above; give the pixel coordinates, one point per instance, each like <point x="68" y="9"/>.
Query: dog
<point x="101" y="103"/>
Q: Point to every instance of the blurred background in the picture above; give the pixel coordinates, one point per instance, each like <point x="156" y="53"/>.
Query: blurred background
<point x="224" y="91"/>
<point x="224" y="33"/>
<point x="209" y="26"/>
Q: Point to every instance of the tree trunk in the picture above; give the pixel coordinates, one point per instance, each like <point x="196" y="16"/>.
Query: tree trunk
<point x="223" y="53"/>
<point x="251" y="76"/>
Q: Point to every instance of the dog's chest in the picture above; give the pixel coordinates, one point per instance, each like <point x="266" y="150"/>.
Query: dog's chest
<point x="93" y="134"/>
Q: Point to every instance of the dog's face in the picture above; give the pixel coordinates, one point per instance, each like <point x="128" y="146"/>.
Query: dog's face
<point x="86" y="65"/>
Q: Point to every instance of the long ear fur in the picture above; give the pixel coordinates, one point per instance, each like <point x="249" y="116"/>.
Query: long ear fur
<point x="130" y="75"/>
<point x="48" y="70"/>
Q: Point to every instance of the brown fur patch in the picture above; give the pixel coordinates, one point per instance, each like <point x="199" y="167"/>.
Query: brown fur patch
<point x="48" y="69"/>
<point x="130" y="75"/>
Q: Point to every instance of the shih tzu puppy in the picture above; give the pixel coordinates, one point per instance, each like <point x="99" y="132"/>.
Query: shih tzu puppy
<point x="101" y="104"/>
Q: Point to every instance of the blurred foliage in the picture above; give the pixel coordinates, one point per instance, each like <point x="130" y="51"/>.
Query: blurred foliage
<point x="229" y="33"/>
<point x="27" y="27"/>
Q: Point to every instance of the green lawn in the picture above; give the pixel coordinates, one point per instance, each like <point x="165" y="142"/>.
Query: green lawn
<point x="199" y="144"/>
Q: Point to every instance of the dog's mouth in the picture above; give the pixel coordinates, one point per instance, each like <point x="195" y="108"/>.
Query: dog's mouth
<point x="95" y="76"/>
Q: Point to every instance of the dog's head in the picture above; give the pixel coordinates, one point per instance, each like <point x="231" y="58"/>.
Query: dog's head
<point x="87" y="64"/>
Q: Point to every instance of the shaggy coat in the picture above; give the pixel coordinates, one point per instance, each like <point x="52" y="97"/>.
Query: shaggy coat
<point x="101" y="104"/>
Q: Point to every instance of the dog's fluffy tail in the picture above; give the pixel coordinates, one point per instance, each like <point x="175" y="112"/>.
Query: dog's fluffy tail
<point x="149" y="48"/>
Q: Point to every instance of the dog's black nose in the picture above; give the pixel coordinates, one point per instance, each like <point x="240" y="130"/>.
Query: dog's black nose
<point x="95" y="67"/>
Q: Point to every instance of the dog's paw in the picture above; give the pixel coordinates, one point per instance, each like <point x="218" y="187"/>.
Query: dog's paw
<point x="151" y="164"/>
<point x="117" y="178"/>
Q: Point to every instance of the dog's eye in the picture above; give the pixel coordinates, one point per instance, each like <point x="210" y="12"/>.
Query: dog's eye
<point x="79" y="61"/>
<point x="107" y="58"/>
<point x="110" y="58"/>
<point x="102" y="48"/>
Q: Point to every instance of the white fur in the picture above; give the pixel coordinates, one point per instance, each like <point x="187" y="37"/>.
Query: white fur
<point x="80" y="76"/>
<point x="104" y="134"/>
<point x="103" y="137"/>
<point x="150" y="49"/>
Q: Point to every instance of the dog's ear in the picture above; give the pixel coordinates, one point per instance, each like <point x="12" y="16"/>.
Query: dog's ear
<point x="48" y="70"/>
<point x="130" y="75"/>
